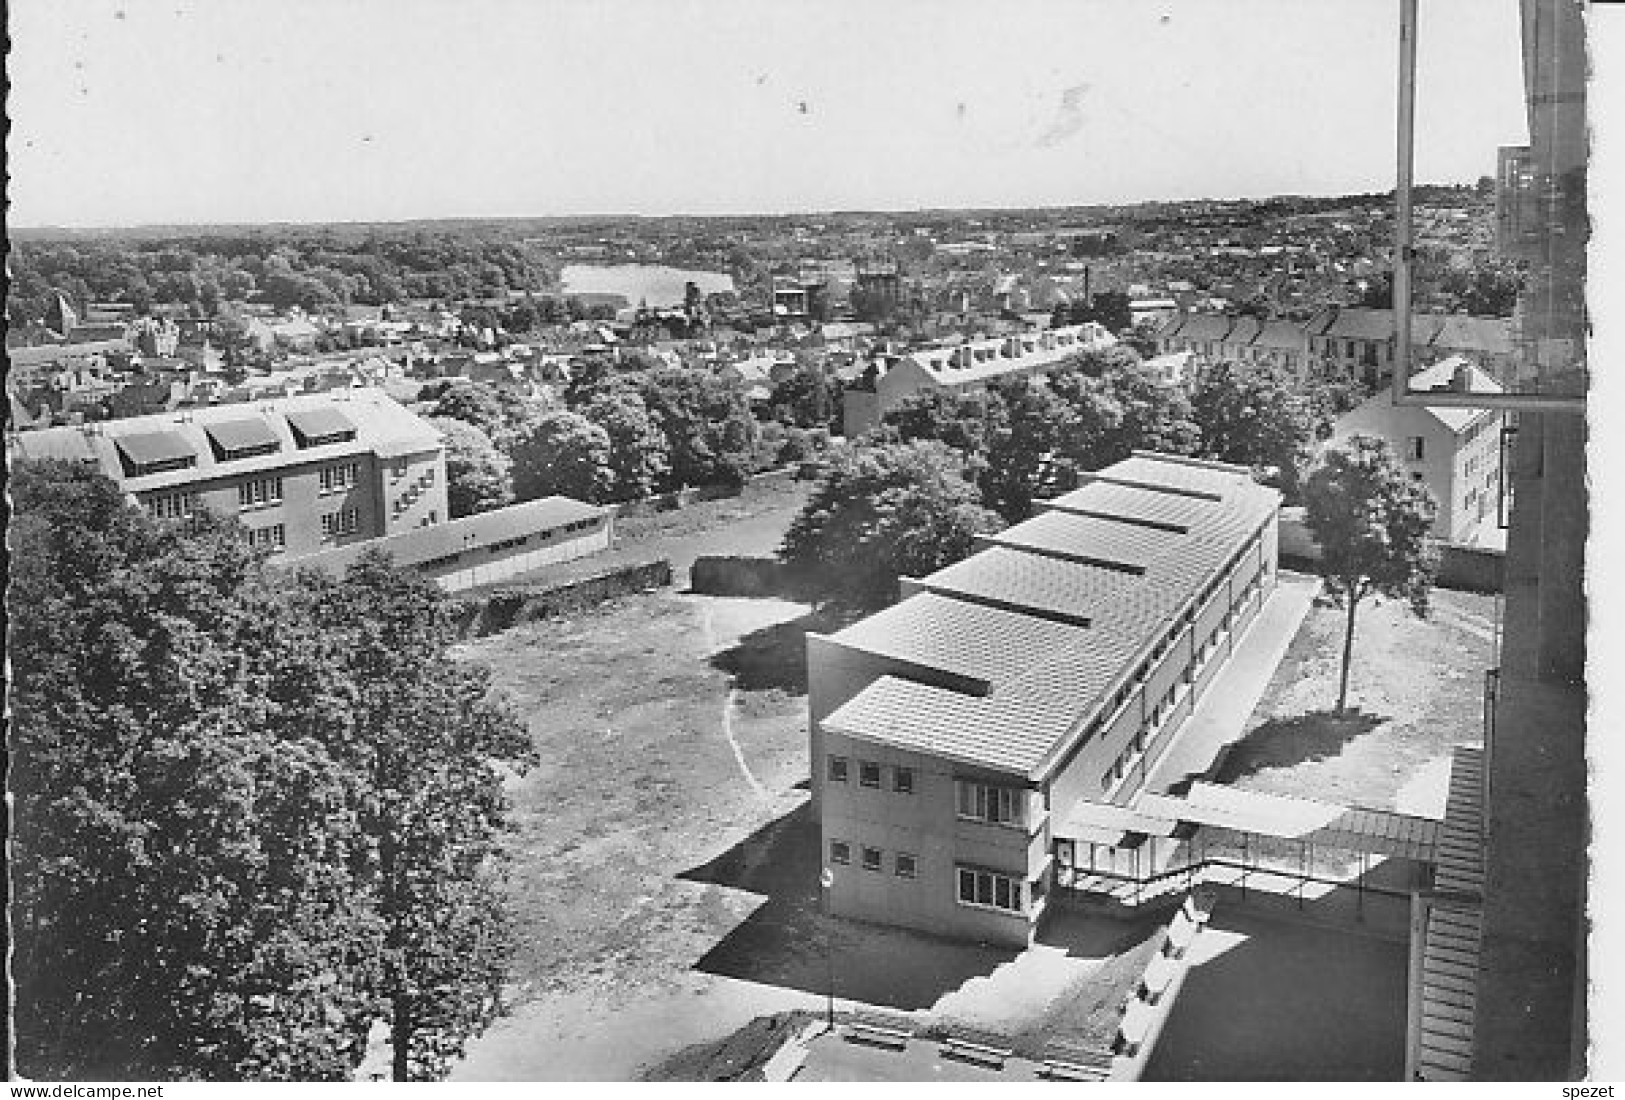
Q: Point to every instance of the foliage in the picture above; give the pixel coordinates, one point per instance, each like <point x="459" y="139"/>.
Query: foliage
<point x="1372" y="524"/>
<point x="433" y="746"/>
<point x="185" y="852"/>
<point x="251" y="817"/>
<point x="1252" y="416"/>
<point x="479" y="478"/>
<point x="808" y="398"/>
<point x="501" y="414"/>
<point x="564" y="455"/>
<point x="884" y="512"/>
<point x="961" y="420"/>
<point x="1033" y="425"/>
<point x="709" y="429"/>
<point x="638" y="453"/>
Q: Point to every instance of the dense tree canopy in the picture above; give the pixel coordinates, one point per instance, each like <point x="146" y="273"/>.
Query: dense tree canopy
<point x="639" y="456"/>
<point x="1253" y="416"/>
<point x="479" y="477"/>
<point x="208" y="767"/>
<point x="710" y="432"/>
<point x="1372" y="523"/>
<point x="564" y="455"/>
<point x="881" y="513"/>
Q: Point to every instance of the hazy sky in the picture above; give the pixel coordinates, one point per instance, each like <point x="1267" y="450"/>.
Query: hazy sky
<point x="137" y="111"/>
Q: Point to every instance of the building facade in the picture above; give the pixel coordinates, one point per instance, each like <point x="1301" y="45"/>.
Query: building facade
<point x="302" y="474"/>
<point x="1455" y="452"/>
<point x="1052" y="669"/>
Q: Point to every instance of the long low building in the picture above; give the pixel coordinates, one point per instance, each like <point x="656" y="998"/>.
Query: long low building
<point x="488" y="547"/>
<point x="1047" y="672"/>
<point x="967" y="367"/>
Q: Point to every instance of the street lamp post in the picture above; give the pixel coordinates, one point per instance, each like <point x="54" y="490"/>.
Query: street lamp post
<point x="826" y="879"/>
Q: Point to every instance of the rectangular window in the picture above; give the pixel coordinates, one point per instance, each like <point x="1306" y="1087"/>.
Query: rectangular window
<point x="337" y="479"/>
<point x="273" y="538"/>
<point x="840" y="851"/>
<point x="344" y="522"/>
<point x="990" y="889"/>
<point x="1415" y="448"/>
<point x="984" y="802"/>
<point x="868" y="774"/>
<point x="398" y="471"/>
<point x="259" y="492"/>
<point x="903" y="780"/>
<point x="172" y="505"/>
<point x="837" y="769"/>
<point x="871" y="859"/>
<point x="906" y="865"/>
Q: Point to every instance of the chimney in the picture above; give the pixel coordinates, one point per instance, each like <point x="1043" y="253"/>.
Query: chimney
<point x="1462" y="380"/>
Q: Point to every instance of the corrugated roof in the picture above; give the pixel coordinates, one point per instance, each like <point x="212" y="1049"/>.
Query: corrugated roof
<point x="1133" y="502"/>
<point x="1038" y="626"/>
<point x="1019" y="579"/>
<point x="1088" y="539"/>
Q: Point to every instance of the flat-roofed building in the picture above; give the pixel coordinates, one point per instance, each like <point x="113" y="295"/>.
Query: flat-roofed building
<point x="302" y="473"/>
<point x="1049" y="670"/>
<point x="487" y="547"/>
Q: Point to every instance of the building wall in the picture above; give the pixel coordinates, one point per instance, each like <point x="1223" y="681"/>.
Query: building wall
<point x="926" y="825"/>
<point x="480" y="566"/>
<point x="1398" y="424"/>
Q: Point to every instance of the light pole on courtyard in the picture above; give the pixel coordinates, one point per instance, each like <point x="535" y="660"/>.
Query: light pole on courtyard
<point x="826" y="879"/>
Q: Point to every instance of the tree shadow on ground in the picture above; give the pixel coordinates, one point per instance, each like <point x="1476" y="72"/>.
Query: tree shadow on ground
<point x="788" y="942"/>
<point x="1285" y="742"/>
<point x="775" y="656"/>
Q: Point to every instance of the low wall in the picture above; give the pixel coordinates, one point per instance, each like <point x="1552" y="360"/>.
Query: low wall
<point x="501" y="609"/>
<point x="1465" y="568"/>
<point x="715" y="575"/>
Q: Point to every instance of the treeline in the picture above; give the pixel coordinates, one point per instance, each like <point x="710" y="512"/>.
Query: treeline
<point x="622" y="435"/>
<point x="312" y="270"/>
<point x="254" y="816"/>
<point x="945" y="466"/>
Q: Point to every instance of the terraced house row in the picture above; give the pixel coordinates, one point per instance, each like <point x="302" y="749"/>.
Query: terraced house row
<point x="953" y="733"/>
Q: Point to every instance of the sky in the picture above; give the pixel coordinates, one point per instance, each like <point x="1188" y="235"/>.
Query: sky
<point x="176" y="111"/>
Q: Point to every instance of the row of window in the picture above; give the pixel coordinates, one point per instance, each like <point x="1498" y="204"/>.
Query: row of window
<point x="273" y="538"/>
<point x="346" y="521"/>
<point x="904" y="864"/>
<point x="995" y="805"/>
<point x="259" y="492"/>
<point x="989" y="889"/>
<point x="172" y="505"/>
<point x="869" y="774"/>
<point x="337" y="479"/>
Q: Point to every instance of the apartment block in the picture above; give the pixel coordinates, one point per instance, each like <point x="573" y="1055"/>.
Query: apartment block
<point x="302" y="474"/>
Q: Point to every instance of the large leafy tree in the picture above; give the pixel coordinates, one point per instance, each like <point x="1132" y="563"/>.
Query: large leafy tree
<point x="808" y="398"/>
<point x="1372" y="524"/>
<point x="479" y="477"/>
<point x="501" y="414"/>
<point x="431" y="746"/>
<point x="639" y="456"/>
<point x="961" y="420"/>
<point x="184" y="855"/>
<point x="566" y="455"/>
<point x="709" y="429"/>
<point x="882" y="513"/>
<point x="1024" y="449"/>
<point x="1253" y="417"/>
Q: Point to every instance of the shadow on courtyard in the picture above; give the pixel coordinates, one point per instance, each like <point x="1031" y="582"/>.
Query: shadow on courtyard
<point x="787" y="942"/>
<point x="1287" y="742"/>
<point x="1279" y="999"/>
<point x="772" y="657"/>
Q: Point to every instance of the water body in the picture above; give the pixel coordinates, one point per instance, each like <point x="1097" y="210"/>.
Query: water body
<point x="655" y="284"/>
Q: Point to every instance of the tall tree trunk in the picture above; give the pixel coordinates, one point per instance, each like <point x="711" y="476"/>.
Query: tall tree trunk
<point x="1348" y="656"/>
<point x="400" y="1039"/>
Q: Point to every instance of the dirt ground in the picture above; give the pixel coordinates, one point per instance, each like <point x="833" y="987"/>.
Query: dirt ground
<point x="653" y="766"/>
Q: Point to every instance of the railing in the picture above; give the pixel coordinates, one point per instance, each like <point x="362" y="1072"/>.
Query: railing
<point x="1187" y="876"/>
